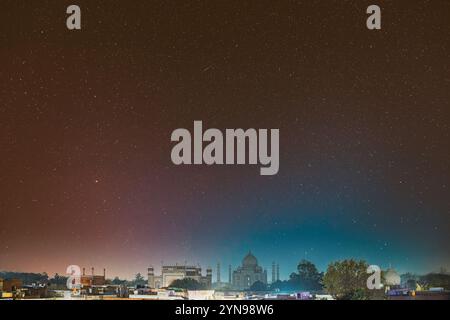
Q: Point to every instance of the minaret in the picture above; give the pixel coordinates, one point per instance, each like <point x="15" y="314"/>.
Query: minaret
<point x="229" y="274"/>
<point x="273" y="272"/>
<point x="218" y="272"/>
<point x="278" y="272"/>
<point x="209" y="277"/>
<point x="151" y="277"/>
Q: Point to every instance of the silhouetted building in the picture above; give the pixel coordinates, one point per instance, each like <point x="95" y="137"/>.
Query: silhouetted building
<point x="278" y="272"/>
<point x="218" y="272"/>
<point x="273" y="272"/>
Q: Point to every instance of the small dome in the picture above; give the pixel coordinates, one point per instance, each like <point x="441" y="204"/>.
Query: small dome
<point x="392" y="278"/>
<point x="250" y="260"/>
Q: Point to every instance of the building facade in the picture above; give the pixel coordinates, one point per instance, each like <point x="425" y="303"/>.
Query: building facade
<point x="171" y="273"/>
<point x="248" y="273"/>
<point x="10" y="285"/>
<point x="90" y="280"/>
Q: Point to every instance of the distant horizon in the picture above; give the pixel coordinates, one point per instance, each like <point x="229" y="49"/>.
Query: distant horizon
<point x="224" y="271"/>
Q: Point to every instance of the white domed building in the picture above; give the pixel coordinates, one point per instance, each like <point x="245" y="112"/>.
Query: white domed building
<point x="391" y="278"/>
<point x="248" y="273"/>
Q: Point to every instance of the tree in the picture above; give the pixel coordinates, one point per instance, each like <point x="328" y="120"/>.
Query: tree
<point x="347" y="279"/>
<point x="308" y="277"/>
<point x="26" y="277"/>
<point x="139" y="280"/>
<point x="258" y="286"/>
<point x="188" y="284"/>
<point x="58" y="282"/>
<point x="286" y="285"/>
<point x="117" y="281"/>
<point x="436" y="280"/>
<point x="56" y="279"/>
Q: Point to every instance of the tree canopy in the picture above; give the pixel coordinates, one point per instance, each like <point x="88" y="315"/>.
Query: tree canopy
<point x="347" y="279"/>
<point x="307" y="278"/>
<point x="188" y="284"/>
<point x="258" y="286"/>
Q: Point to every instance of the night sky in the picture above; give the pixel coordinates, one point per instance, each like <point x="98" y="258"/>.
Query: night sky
<point x="86" y="117"/>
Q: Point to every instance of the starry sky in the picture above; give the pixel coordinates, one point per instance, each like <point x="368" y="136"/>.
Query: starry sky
<point x="86" y="117"/>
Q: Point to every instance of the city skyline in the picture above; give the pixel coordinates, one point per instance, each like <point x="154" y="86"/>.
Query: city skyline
<point x="284" y="271"/>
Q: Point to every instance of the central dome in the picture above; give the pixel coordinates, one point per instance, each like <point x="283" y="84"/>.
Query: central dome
<point x="250" y="260"/>
<point x="392" y="278"/>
